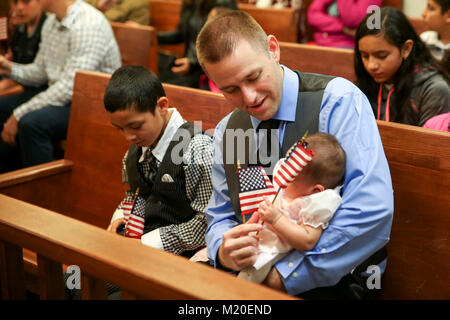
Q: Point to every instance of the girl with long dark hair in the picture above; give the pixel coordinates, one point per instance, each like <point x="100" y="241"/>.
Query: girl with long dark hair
<point x="396" y="71"/>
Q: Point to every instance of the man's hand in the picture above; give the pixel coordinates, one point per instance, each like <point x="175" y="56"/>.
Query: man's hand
<point x="239" y="249"/>
<point x="10" y="129"/>
<point x="273" y="280"/>
<point x="181" y="66"/>
<point x="115" y="224"/>
<point x="5" y="66"/>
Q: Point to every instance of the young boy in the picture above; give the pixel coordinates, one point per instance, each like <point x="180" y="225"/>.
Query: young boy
<point x="303" y="209"/>
<point x="176" y="187"/>
<point x="436" y="16"/>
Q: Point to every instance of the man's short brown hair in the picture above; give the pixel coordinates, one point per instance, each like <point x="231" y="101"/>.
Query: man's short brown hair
<point x="220" y="36"/>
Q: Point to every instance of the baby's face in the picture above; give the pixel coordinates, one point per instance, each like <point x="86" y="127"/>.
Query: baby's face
<point x="300" y="187"/>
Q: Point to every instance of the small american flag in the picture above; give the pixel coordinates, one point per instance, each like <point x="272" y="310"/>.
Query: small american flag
<point x="135" y="223"/>
<point x="297" y="159"/>
<point x="254" y="185"/>
<point x="3" y="28"/>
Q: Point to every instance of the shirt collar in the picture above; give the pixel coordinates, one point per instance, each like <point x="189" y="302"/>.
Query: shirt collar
<point x="72" y="13"/>
<point x="289" y="98"/>
<point x="175" y="121"/>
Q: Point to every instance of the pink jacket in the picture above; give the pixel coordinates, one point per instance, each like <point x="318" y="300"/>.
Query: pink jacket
<point x="328" y="29"/>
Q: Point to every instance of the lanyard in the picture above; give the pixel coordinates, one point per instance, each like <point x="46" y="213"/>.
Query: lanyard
<point x="386" y="114"/>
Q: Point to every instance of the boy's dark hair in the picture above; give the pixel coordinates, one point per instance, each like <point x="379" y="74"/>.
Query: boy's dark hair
<point x="444" y="4"/>
<point x="327" y="167"/>
<point x="133" y="87"/>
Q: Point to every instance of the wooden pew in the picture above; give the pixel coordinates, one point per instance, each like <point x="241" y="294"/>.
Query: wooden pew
<point x="419" y="249"/>
<point x="316" y="59"/>
<point x="16" y="89"/>
<point x="283" y="23"/>
<point x="142" y="272"/>
<point x="137" y="44"/>
<point x="75" y="185"/>
<point x="419" y="254"/>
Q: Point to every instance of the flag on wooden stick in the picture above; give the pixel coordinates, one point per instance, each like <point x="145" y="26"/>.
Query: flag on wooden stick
<point x="3" y="28"/>
<point x="135" y="224"/>
<point x="299" y="156"/>
<point x="254" y="185"/>
<point x="134" y="214"/>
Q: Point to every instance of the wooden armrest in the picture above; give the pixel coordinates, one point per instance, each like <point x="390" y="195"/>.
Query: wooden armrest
<point x="11" y="91"/>
<point x="35" y="172"/>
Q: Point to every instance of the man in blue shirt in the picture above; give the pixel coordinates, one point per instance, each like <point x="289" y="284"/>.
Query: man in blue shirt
<point x="244" y="63"/>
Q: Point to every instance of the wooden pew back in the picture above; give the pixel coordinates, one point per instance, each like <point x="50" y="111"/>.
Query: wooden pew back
<point x="140" y="271"/>
<point x="283" y="23"/>
<point x="96" y="148"/>
<point x="137" y="44"/>
<point x="419" y="249"/>
<point x="316" y="59"/>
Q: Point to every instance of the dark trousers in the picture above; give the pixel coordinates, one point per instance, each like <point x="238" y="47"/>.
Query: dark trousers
<point x="37" y="132"/>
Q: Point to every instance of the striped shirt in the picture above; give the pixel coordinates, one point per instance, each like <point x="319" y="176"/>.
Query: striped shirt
<point x="82" y="40"/>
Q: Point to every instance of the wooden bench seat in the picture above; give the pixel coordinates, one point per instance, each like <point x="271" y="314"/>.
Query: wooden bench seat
<point x="419" y="249"/>
<point x="142" y="272"/>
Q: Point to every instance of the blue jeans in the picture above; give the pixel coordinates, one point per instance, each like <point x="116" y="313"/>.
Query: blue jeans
<point x="37" y="132"/>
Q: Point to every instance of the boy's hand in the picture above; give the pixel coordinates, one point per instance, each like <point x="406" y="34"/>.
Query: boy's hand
<point x="115" y="224"/>
<point x="268" y="212"/>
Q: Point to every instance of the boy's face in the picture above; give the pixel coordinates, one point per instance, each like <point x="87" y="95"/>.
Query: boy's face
<point x="26" y="11"/>
<point x="434" y="18"/>
<point x="250" y="79"/>
<point x="141" y="128"/>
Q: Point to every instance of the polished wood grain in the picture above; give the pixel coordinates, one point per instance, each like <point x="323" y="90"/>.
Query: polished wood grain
<point x="137" y="44"/>
<point x="283" y="23"/>
<point x="419" y="249"/>
<point x="140" y="270"/>
<point x="419" y="254"/>
<point x="11" y="91"/>
<point x="317" y="59"/>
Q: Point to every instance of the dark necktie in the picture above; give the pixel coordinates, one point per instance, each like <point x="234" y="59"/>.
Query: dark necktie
<point x="265" y="145"/>
<point x="150" y="165"/>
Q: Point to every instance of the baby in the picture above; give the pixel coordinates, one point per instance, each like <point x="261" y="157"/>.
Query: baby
<point x="303" y="209"/>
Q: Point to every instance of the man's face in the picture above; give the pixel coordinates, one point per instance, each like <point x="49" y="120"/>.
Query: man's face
<point x="250" y="79"/>
<point x="26" y="11"/>
<point x="140" y="128"/>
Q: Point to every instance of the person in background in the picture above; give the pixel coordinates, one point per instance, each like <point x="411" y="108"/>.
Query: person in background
<point x="243" y="61"/>
<point x="396" y="71"/>
<point x="335" y="21"/>
<point x="436" y="17"/>
<point x="75" y="36"/>
<point x="186" y="71"/>
<point x="28" y="19"/>
<point x="302" y="210"/>
<point x="124" y="11"/>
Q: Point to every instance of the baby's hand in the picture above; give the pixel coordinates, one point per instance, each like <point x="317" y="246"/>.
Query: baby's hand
<point x="268" y="212"/>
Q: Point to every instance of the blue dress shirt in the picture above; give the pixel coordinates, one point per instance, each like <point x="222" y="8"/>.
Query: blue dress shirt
<point x="360" y="226"/>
